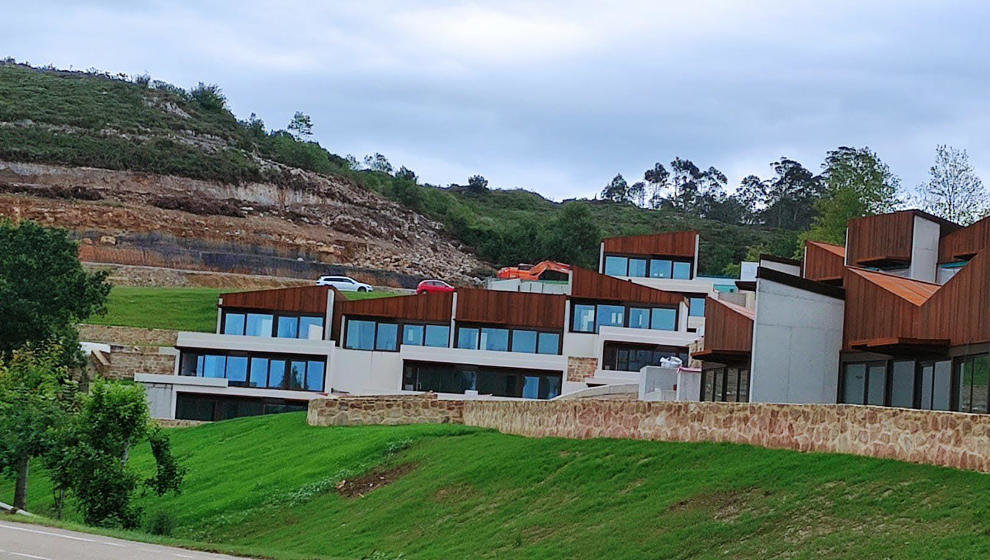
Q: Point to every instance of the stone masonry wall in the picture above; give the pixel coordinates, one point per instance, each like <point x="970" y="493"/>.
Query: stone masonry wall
<point x="579" y="369"/>
<point x="939" y="438"/>
<point x="388" y="410"/>
<point x="129" y="336"/>
<point x="124" y="363"/>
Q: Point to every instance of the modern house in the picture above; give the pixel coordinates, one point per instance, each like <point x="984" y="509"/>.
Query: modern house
<point x="273" y="350"/>
<point x="899" y="316"/>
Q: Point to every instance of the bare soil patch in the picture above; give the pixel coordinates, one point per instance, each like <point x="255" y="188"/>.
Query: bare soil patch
<point x="365" y="484"/>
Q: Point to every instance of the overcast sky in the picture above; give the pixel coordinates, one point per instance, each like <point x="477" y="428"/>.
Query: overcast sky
<point x="559" y="97"/>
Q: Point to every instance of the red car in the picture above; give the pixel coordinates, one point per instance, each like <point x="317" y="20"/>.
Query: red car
<point x="433" y="287"/>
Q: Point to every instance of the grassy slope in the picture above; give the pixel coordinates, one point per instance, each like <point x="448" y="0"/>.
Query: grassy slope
<point x="482" y="494"/>
<point x="183" y="309"/>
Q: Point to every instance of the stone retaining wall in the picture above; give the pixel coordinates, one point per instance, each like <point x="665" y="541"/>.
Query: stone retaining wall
<point x="127" y="336"/>
<point x="124" y="363"/>
<point x="950" y="439"/>
<point x="388" y="410"/>
<point x="579" y="369"/>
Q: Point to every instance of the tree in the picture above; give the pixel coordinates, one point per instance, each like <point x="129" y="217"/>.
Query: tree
<point x="637" y="193"/>
<point x="406" y="174"/>
<point x="790" y="197"/>
<point x="573" y="236"/>
<point x="617" y="190"/>
<point x="953" y="191"/>
<point x="477" y="184"/>
<point x="92" y="460"/>
<point x="44" y="290"/>
<point x="301" y="126"/>
<point x="656" y="178"/>
<point x="209" y="97"/>
<point x="378" y="162"/>
<point x="857" y="184"/>
<point x="36" y="393"/>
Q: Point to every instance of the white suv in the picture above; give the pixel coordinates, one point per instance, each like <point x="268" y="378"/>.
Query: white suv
<point x="343" y="283"/>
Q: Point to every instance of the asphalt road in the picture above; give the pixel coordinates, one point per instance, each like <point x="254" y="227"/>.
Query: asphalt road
<point x="20" y="541"/>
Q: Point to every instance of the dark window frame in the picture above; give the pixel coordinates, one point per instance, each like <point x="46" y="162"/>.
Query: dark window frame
<point x="511" y="329"/>
<point x="649" y="265"/>
<point x="251" y="356"/>
<point x="625" y="314"/>
<point x="400" y="334"/>
<point x="276" y="315"/>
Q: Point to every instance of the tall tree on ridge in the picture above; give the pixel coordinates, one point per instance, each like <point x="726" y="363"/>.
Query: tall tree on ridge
<point x="953" y="190"/>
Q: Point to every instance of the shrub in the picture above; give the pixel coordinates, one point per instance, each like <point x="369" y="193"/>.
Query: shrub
<point x="209" y="97"/>
<point x="161" y="523"/>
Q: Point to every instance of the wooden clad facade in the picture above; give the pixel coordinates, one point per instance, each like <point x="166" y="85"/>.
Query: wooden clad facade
<point x="301" y="299"/>
<point x="956" y="312"/>
<point x="728" y="331"/>
<point x="670" y="244"/>
<point x="426" y="308"/>
<point x="960" y="310"/>
<point x="964" y="243"/>
<point x="513" y="309"/>
<point x="587" y="284"/>
<point x="823" y="262"/>
<point x="880" y="240"/>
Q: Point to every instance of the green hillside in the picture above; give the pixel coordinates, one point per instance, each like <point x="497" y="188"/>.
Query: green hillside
<point x="99" y="120"/>
<point x="268" y="484"/>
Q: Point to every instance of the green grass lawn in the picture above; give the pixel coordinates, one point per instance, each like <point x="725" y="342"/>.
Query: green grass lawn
<point x="266" y="485"/>
<point x="184" y="309"/>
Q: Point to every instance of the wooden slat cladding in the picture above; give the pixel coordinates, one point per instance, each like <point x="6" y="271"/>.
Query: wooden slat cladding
<point x="426" y="308"/>
<point x="513" y="309"/>
<point x="823" y="262"/>
<point x="880" y="239"/>
<point x="727" y="329"/>
<point x="300" y="299"/>
<point x="587" y="284"/>
<point x="872" y="312"/>
<point x="672" y="244"/>
<point x="960" y="310"/>
<point x="965" y="242"/>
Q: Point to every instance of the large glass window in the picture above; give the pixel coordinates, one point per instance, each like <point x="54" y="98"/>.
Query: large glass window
<point x="387" y="339"/>
<point x="360" y="334"/>
<point x="697" y="307"/>
<point x="609" y="316"/>
<point x="633" y="357"/>
<point x="214" y="366"/>
<point x="288" y="327"/>
<point x="660" y="268"/>
<point x="311" y="327"/>
<point x="637" y="268"/>
<point x="467" y="337"/>
<point x="494" y="339"/>
<point x="297" y="375"/>
<point x="902" y="384"/>
<point x="854" y="384"/>
<point x="412" y="335"/>
<point x="616" y="266"/>
<point x="259" y="372"/>
<point x="942" y="386"/>
<point x="259" y="324"/>
<point x="314" y="375"/>
<point x="524" y="341"/>
<point x="876" y="382"/>
<point x="237" y="367"/>
<point x="276" y="375"/>
<point x="502" y="382"/>
<point x="438" y="335"/>
<point x="549" y="343"/>
<point x="744" y="385"/>
<point x="682" y="270"/>
<point x="639" y="318"/>
<point x="233" y="323"/>
<point x="664" y="319"/>
<point x="584" y="318"/>
<point x="972" y="373"/>
<point x="209" y="408"/>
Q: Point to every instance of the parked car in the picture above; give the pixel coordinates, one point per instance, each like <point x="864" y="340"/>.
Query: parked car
<point x="343" y="283"/>
<point x="433" y="287"/>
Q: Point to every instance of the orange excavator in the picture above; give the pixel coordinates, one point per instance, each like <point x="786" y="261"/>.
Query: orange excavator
<point x="535" y="271"/>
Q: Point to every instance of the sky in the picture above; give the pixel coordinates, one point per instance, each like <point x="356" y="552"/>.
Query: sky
<point x="558" y="97"/>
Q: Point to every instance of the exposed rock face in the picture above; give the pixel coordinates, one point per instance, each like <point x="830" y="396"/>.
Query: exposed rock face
<point x="315" y="218"/>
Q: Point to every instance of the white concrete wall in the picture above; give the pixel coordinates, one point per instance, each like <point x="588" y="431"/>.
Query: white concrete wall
<point x="209" y="341"/>
<point x="356" y="371"/>
<point x="792" y="269"/>
<point x="580" y="345"/>
<point x="797" y="336"/>
<point x="521" y="360"/>
<point x="924" y="250"/>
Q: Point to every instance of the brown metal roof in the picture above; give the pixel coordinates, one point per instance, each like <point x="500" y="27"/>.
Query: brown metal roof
<point x="914" y="291"/>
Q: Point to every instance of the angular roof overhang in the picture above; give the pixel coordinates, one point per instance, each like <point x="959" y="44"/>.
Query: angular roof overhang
<point x="903" y="346"/>
<point x="722" y="356"/>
